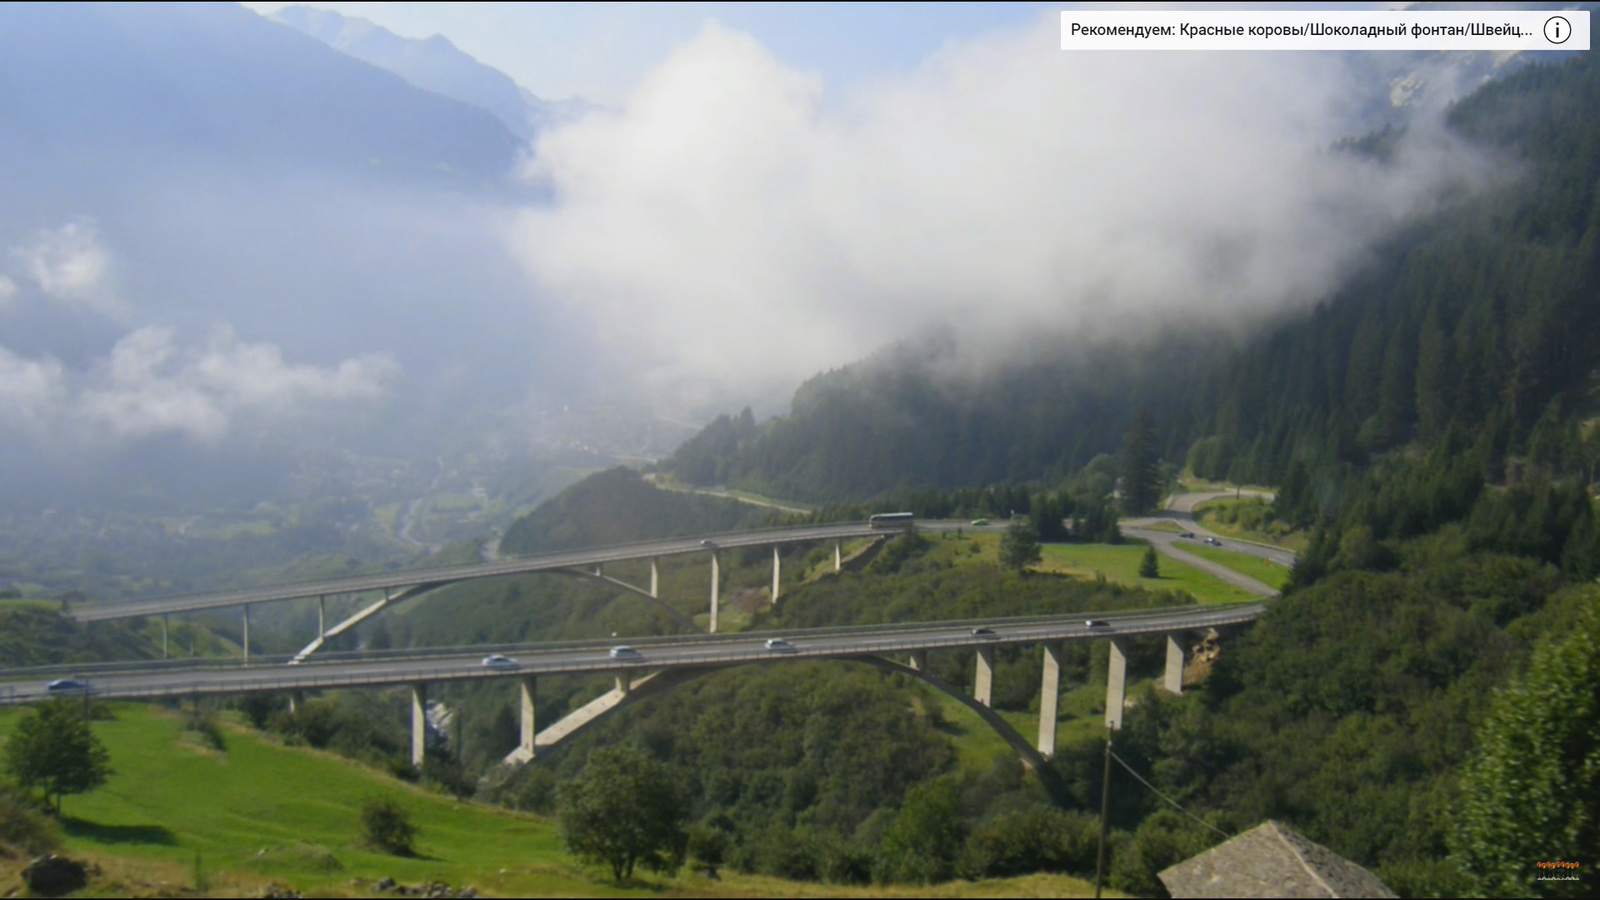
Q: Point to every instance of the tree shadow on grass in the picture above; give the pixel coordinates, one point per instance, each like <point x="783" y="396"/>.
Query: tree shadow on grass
<point x="119" y="834"/>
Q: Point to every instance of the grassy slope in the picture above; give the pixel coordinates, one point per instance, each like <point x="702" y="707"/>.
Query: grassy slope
<point x="1243" y="563"/>
<point x="1120" y="563"/>
<point x="170" y="798"/>
<point x="262" y="812"/>
<point x="1280" y="535"/>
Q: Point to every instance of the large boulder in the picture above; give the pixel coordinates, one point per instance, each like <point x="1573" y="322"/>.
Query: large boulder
<point x="54" y="876"/>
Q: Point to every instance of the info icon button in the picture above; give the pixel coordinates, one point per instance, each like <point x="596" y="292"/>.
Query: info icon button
<point x="1557" y="29"/>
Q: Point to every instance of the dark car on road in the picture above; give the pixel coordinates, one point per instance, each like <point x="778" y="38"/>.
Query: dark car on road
<point x="67" y="686"/>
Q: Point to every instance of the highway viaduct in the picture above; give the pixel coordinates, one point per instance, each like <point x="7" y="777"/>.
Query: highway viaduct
<point x="589" y="563"/>
<point x="662" y="662"/>
<point x="403" y="585"/>
<point x="657" y="664"/>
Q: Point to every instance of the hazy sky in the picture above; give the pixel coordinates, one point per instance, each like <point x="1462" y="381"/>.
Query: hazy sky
<point x="600" y="51"/>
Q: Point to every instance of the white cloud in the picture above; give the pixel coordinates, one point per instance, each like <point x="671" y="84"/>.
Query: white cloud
<point x="70" y="266"/>
<point x="728" y="226"/>
<point x="32" y="392"/>
<point x="149" y="385"/>
<point x="8" y="292"/>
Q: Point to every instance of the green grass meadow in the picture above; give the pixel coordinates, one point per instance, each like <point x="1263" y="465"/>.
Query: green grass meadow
<point x="260" y="811"/>
<point x="1120" y="563"/>
<point x="180" y="818"/>
<point x="1254" y="566"/>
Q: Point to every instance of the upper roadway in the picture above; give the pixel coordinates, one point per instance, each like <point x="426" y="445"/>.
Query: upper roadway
<point x="1179" y="509"/>
<point x="442" y="575"/>
<point x="128" y="681"/>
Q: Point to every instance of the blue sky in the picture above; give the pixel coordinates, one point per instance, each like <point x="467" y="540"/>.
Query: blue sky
<point x="601" y="50"/>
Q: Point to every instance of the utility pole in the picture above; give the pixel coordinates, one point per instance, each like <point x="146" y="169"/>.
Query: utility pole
<point x="1105" y="810"/>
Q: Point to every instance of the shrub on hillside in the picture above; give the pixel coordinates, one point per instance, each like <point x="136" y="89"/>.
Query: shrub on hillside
<point x="23" y="825"/>
<point x="385" y="824"/>
<point x="1041" y="839"/>
<point x="204" y="726"/>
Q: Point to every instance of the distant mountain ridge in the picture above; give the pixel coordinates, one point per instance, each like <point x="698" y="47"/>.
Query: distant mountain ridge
<point x="232" y="181"/>
<point x="120" y="86"/>
<point x="434" y="64"/>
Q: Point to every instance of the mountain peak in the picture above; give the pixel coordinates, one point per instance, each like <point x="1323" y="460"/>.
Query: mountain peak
<point x="433" y="64"/>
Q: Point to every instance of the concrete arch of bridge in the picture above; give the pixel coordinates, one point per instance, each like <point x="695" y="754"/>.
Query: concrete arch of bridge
<point x="417" y="591"/>
<point x="659" y="683"/>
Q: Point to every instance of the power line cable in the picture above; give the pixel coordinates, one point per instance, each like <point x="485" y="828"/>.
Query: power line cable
<point x="1174" y="803"/>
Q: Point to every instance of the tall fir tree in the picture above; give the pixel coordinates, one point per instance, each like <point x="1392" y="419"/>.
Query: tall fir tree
<point x="1141" y="478"/>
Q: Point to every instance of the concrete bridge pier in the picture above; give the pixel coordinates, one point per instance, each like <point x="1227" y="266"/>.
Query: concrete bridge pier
<point x="247" y="634"/>
<point x="322" y="618"/>
<point x="919" y="660"/>
<point x="655" y="580"/>
<point x="525" y="745"/>
<point x="295" y="699"/>
<point x="164" y="635"/>
<point x="419" y="723"/>
<point x="983" y="682"/>
<point x="716" y="576"/>
<point x="838" y="557"/>
<point x="1116" y="685"/>
<point x="776" y="568"/>
<point x="1049" y="696"/>
<point x="1176" y="657"/>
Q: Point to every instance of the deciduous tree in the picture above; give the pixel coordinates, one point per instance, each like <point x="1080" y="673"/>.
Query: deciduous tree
<point x="1528" y="794"/>
<point x="1019" y="546"/>
<point x="54" y="750"/>
<point x="625" y="809"/>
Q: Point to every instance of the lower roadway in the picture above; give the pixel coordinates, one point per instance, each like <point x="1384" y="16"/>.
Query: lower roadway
<point x="158" y="680"/>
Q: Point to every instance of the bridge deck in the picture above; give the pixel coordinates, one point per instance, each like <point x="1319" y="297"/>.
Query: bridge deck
<point x="157" y="680"/>
<point x="450" y="574"/>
